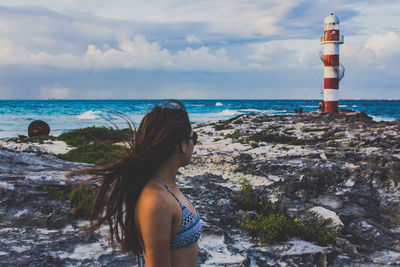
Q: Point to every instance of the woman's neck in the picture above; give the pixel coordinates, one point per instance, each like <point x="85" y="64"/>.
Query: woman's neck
<point x="167" y="172"/>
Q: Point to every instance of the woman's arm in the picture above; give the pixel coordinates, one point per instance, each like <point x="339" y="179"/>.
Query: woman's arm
<point x="155" y="218"/>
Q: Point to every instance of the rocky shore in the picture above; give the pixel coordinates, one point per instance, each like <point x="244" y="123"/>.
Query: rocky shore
<point x="340" y="172"/>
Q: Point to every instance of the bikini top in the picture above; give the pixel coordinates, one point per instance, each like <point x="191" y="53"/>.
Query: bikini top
<point x="190" y="229"/>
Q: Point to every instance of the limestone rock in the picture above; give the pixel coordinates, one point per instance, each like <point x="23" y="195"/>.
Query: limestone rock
<point x="329" y="219"/>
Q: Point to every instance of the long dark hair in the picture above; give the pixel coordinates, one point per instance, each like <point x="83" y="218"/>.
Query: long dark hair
<point x="120" y="183"/>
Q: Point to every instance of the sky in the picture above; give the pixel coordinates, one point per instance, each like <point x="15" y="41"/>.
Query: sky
<point x="202" y="49"/>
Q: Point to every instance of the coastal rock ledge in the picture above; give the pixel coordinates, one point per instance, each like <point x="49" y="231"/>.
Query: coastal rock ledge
<point x="340" y="172"/>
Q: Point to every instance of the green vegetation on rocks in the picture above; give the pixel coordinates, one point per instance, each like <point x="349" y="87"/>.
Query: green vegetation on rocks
<point x="81" y="200"/>
<point x="270" y="226"/>
<point x="307" y="130"/>
<point x="245" y="196"/>
<point x="80" y="197"/>
<point x="234" y="118"/>
<point x="274" y="227"/>
<point x="35" y="139"/>
<point x="338" y="136"/>
<point x="234" y="136"/>
<point x="288" y="131"/>
<point x="89" y="135"/>
<point x="224" y="125"/>
<point x="265" y="136"/>
<point x="254" y="144"/>
<point x="96" y="145"/>
<point x="273" y="127"/>
<point x="96" y="153"/>
<point x="352" y="144"/>
<point x="328" y="134"/>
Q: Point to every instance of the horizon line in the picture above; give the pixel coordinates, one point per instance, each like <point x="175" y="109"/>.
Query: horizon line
<point x="185" y="99"/>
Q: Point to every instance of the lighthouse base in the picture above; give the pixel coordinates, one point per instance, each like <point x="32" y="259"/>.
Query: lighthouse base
<point x="331" y="106"/>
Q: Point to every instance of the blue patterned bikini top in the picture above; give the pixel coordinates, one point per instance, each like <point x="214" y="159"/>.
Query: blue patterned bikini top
<point x="190" y="229"/>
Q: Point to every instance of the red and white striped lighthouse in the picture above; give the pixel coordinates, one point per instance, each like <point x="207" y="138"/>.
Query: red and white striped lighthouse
<point x="333" y="70"/>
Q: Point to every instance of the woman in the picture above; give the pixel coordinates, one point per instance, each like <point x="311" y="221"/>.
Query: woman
<point x="138" y="196"/>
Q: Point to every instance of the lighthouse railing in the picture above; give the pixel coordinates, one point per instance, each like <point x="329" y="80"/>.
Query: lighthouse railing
<point x="338" y="69"/>
<point x="325" y="41"/>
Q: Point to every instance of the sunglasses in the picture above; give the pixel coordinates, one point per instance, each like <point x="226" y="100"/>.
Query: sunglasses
<point x="193" y="137"/>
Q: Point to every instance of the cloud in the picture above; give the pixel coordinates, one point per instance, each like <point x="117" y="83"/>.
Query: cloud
<point x="192" y="39"/>
<point x="201" y="45"/>
<point x="272" y="53"/>
<point x="284" y="55"/>
<point x="225" y="16"/>
<point x="138" y="53"/>
<point x="386" y="44"/>
<point x="379" y="51"/>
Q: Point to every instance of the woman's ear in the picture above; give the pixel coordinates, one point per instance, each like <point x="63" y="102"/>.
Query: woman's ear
<point x="183" y="146"/>
<point x="179" y="147"/>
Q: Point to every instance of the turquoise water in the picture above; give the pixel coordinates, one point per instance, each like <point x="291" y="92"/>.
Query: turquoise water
<point x="66" y="115"/>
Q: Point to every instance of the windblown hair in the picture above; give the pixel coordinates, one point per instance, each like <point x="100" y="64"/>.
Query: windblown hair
<point x="120" y="183"/>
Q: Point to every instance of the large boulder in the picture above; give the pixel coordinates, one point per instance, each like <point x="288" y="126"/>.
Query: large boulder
<point x="37" y="128"/>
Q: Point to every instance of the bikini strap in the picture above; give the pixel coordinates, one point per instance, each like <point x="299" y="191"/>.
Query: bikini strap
<point x="166" y="186"/>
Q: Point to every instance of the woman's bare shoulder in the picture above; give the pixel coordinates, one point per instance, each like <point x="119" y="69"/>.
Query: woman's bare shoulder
<point x="153" y="198"/>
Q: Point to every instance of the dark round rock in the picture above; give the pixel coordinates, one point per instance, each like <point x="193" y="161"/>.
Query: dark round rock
<point x="37" y="128"/>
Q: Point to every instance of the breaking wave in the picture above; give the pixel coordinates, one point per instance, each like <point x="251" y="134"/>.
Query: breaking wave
<point x="89" y="115"/>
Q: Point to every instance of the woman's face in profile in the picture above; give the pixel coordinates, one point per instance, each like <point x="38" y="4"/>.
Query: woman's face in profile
<point x="188" y="147"/>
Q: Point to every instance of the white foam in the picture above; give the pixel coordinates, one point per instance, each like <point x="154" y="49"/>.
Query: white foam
<point x="273" y="111"/>
<point x="218" y="104"/>
<point x="223" y="115"/>
<point x="379" y="118"/>
<point x="195" y="105"/>
<point x="229" y="112"/>
<point x="251" y="110"/>
<point x="89" y="115"/>
<point x="266" y="111"/>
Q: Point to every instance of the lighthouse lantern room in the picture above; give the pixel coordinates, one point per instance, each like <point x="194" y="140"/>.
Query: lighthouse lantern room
<point x="333" y="70"/>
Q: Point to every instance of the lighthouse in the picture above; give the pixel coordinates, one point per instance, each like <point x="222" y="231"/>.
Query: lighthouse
<point x="333" y="70"/>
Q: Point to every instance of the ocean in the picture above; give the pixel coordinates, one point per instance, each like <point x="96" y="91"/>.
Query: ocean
<point x="66" y="115"/>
